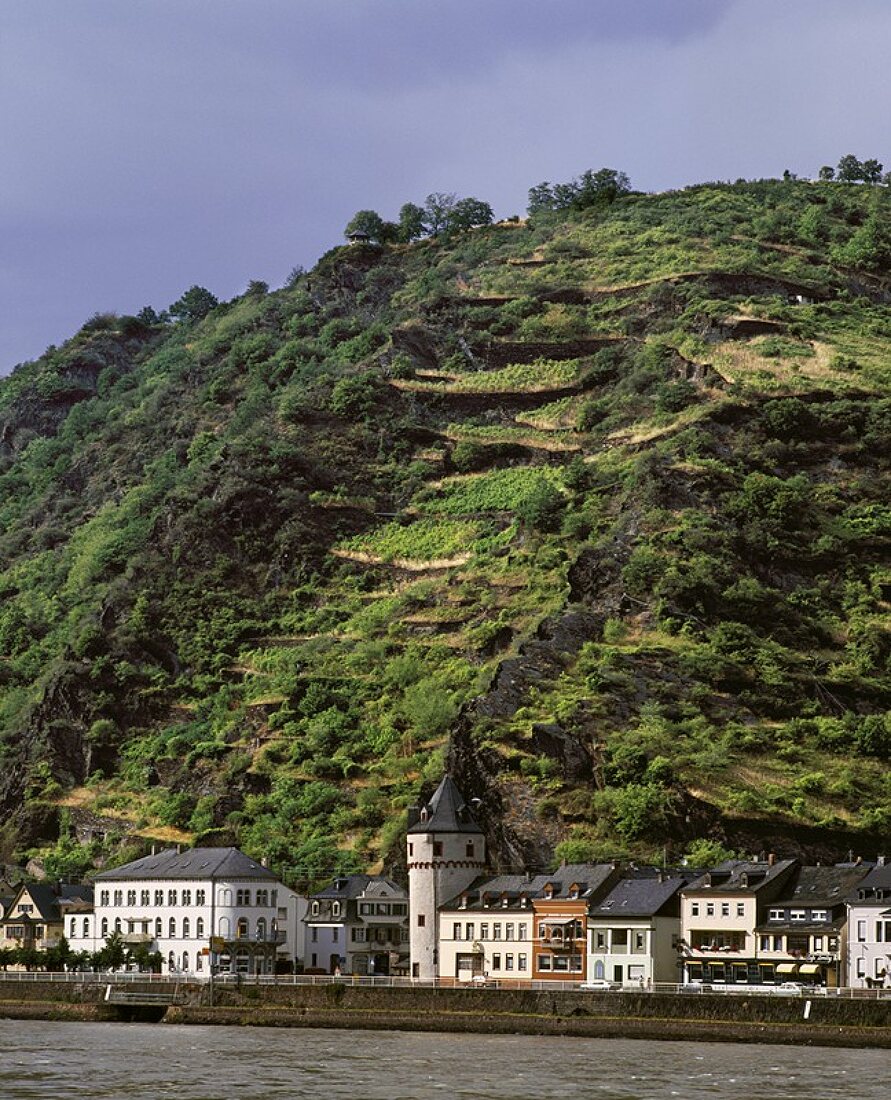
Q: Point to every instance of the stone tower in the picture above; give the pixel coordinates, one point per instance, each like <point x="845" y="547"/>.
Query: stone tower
<point x="446" y="852"/>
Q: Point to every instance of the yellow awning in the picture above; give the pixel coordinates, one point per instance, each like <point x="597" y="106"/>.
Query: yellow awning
<point x="787" y="968"/>
<point x="810" y="968"/>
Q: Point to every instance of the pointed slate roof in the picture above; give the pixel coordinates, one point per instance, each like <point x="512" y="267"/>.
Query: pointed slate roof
<point x="195" y="863"/>
<point x="446" y="812"/>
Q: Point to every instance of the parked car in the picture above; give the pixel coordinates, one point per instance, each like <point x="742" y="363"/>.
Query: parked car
<point x="599" y="984"/>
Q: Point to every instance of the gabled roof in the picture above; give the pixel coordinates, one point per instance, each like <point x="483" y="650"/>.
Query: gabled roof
<point x="822" y="887"/>
<point x="348" y="887"/>
<point x="640" y="897"/>
<point x="446" y="812"/>
<point x="194" y="863"/>
<point x="742" y="877"/>
<point x="878" y="878"/>
<point x="47" y="898"/>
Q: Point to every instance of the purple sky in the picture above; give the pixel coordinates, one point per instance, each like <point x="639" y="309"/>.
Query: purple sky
<point x="146" y="145"/>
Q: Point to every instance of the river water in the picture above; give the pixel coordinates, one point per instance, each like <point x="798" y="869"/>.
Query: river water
<point x="67" y="1061"/>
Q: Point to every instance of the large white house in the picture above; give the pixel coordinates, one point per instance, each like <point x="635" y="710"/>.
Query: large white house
<point x="869" y="930"/>
<point x="198" y="908"/>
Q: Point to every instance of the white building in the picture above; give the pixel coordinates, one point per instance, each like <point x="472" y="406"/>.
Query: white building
<point x="197" y="908"/>
<point x="633" y="932"/>
<point x="869" y="931"/>
<point x="446" y="852"/>
<point x="358" y="924"/>
<point x="487" y="930"/>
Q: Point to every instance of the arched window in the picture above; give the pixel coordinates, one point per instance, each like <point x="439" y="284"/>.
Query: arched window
<point x="159" y="928"/>
<point x="73" y="931"/>
<point x="171" y="962"/>
<point x="224" y="927"/>
<point x="118" y="927"/>
<point x="226" y="897"/>
<point x="242" y="929"/>
<point x="171" y="931"/>
<point x="335" y="909"/>
<point x="86" y="931"/>
<point x="185" y="962"/>
<point x="599" y="971"/>
<point x="199" y="962"/>
<point x="261" y="928"/>
<point x="185" y="928"/>
<point x="199" y="927"/>
<point x="105" y="928"/>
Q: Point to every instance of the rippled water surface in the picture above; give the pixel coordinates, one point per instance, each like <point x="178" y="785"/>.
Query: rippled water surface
<point x="144" y="1061"/>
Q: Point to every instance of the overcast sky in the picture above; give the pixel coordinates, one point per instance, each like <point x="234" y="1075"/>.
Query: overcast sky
<point x="146" y="145"/>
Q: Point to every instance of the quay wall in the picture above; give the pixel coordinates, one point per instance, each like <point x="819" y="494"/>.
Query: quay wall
<point x="702" y="1017"/>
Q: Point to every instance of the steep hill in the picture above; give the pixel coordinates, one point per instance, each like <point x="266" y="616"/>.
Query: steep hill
<point x="593" y="507"/>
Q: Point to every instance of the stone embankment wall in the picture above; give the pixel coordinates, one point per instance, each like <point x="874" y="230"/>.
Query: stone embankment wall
<point x="830" y="1022"/>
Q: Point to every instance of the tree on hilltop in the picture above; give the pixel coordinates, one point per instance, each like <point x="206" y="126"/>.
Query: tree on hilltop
<point x="196" y="303"/>
<point x="366" y="222"/>
<point x="591" y="188"/>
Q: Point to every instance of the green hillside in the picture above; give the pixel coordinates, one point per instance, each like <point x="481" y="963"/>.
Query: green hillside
<point x="592" y="507"/>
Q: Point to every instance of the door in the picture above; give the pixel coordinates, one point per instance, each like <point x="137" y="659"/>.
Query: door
<point x="618" y="974"/>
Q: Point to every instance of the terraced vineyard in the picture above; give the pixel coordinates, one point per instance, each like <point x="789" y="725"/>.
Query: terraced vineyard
<point x="590" y="509"/>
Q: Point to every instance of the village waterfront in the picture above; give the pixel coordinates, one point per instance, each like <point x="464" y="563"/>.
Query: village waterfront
<point x="149" y="1062"/>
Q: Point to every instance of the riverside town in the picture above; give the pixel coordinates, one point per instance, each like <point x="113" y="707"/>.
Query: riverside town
<point x="762" y="925"/>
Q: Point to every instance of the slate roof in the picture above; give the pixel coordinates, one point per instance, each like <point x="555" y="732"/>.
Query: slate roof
<point x="446" y="812"/>
<point x="821" y="887"/>
<point x="353" y="886"/>
<point x="194" y="863"/>
<point x="589" y="877"/>
<point x="47" y="897"/>
<point x="640" y="897"/>
<point x="742" y="877"/>
<point x="879" y="878"/>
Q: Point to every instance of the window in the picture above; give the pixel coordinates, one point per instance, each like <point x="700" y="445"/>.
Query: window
<point x="335" y="935"/>
<point x="640" y="941"/>
<point x="199" y="927"/>
<point x="186" y="928"/>
<point x="335" y="908"/>
<point x="694" y="908"/>
<point x="456" y="930"/>
<point x="358" y="935"/>
<point x="521" y="931"/>
<point x="242" y="897"/>
<point x="725" y="908"/>
<point x="411" y="848"/>
<point x="496" y="931"/>
<point x="171" y="897"/>
<point x="484" y="931"/>
<point x="778" y="943"/>
<point x="171" y="930"/>
<point x="199" y="897"/>
<point x="468" y="849"/>
<point x="185" y="960"/>
<point x="262" y="897"/>
<point x="496" y="962"/>
<point x="522" y="963"/>
<point x="861" y="933"/>
<point x="242" y="928"/>
<point x="818" y="943"/>
<point x="469" y="931"/>
<point x="600" y="940"/>
<point x="119" y="897"/>
<point x="437" y="847"/>
<point x="103" y="897"/>
<point x="861" y="967"/>
<point x="159" y="897"/>
<point x="261" y="928"/>
<point x="879" y="969"/>
<point x="819" y="915"/>
<point x="158" y="928"/>
<point x="764" y="943"/>
<point x="144" y="897"/>
<point x="187" y="897"/>
<point x="544" y="962"/>
<point x="131" y="897"/>
<point x="776" y="914"/>
<point x="509" y="931"/>
<point x="422" y="920"/>
<point x="86" y="928"/>
<point x="118" y="927"/>
<point x="798" y="914"/>
<point x="314" y="935"/>
<point x="199" y="962"/>
<point x="710" y="909"/>
<point x="315" y="909"/>
<point x="740" y="908"/>
<point x="273" y="899"/>
<point x="73" y="929"/>
<point x="508" y="962"/>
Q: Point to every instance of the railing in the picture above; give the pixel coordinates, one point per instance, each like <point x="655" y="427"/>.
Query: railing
<point x="387" y="981"/>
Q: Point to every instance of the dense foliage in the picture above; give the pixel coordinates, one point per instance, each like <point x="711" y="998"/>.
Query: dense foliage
<point x="595" y="503"/>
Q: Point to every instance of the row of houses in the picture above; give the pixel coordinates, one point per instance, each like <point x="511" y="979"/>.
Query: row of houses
<point x="755" y="922"/>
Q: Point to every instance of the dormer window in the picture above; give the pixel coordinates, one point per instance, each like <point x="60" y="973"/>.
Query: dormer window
<point x="504" y="901"/>
<point x="424" y="815"/>
<point x="574" y="891"/>
<point x="549" y="891"/>
<point x="314" y="909"/>
<point x="462" y="904"/>
<point x="335" y="908"/>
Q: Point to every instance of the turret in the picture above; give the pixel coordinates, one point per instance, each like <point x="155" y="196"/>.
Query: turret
<point x="446" y="852"/>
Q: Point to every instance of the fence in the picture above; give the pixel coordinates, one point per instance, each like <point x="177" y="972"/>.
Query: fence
<point x="384" y="981"/>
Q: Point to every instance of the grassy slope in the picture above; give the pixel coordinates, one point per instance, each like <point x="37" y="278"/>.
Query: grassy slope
<point x="257" y="571"/>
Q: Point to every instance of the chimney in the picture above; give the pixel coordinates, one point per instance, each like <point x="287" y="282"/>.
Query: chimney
<point x="154" y="850"/>
<point x="264" y="862"/>
<point x="880" y="861"/>
<point x="771" y="859"/>
<point x="414" y="815"/>
<point x="858" y="861"/>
